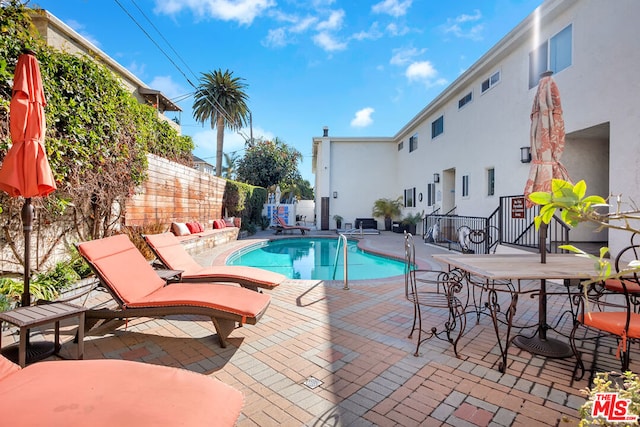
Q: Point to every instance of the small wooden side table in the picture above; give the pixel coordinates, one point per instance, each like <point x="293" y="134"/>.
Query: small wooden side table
<point x="29" y="317"/>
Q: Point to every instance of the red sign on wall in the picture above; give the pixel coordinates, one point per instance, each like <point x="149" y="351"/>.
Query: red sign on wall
<point x="517" y="207"/>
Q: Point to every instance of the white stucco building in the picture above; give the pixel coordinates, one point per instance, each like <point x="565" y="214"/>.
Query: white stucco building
<point x="472" y="132"/>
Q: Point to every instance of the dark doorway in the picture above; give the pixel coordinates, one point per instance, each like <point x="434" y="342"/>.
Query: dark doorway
<point x="324" y="213"/>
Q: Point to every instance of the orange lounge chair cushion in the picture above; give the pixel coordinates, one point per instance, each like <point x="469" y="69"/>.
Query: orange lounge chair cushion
<point x="290" y="227"/>
<point x="615" y="285"/>
<point x="135" y="282"/>
<point x="264" y="278"/>
<point x="227" y="298"/>
<point x="113" y="393"/>
<point x="121" y="264"/>
<point x="173" y="254"/>
<point x="612" y="322"/>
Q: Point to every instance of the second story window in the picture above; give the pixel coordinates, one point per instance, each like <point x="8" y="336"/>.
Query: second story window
<point x="401" y="145"/>
<point x="413" y="143"/>
<point x="437" y="127"/>
<point x="465" y="100"/>
<point x="552" y="55"/>
<point x="491" y="81"/>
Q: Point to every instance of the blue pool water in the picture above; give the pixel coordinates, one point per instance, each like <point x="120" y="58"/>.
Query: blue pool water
<point x="313" y="258"/>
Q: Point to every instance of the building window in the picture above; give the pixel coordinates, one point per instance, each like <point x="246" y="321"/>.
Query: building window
<point x="413" y="143"/>
<point x="410" y="197"/>
<point x="465" y="185"/>
<point x="401" y="145"/>
<point x="491" y="182"/>
<point x="552" y="55"/>
<point x="491" y="81"/>
<point x="431" y="194"/>
<point x="465" y="100"/>
<point x="437" y="127"/>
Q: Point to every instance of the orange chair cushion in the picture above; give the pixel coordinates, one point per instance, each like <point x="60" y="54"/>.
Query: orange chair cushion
<point x="173" y="254"/>
<point x="231" y="273"/>
<point x="227" y="298"/>
<point x="121" y="264"/>
<point x="115" y="393"/>
<point x="615" y="285"/>
<point x="7" y="368"/>
<point x="612" y="322"/>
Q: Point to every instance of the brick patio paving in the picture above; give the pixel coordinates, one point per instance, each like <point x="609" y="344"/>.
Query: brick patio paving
<point x="325" y="356"/>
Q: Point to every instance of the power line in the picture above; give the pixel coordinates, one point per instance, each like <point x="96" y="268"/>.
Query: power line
<point x="215" y="104"/>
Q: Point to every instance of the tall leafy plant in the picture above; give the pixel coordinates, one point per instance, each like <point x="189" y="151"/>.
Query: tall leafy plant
<point x="97" y="139"/>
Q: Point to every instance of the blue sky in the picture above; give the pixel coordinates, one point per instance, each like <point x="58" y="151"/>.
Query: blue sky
<point x="362" y="68"/>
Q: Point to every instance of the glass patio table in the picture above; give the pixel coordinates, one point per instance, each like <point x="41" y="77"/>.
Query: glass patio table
<point x="496" y="273"/>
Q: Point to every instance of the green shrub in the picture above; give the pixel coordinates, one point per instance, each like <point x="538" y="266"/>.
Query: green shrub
<point x="11" y="291"/>
<point x="60" y="278"/>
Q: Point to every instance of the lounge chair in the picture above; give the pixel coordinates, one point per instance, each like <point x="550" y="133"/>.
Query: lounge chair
<point x="174" y="256"/>
<point x="140" y="292"/>
<point x="283" y="226"/>
<point x="113" y="393"/>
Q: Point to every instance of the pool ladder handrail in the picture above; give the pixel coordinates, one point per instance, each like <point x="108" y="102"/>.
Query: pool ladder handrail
<point x="342" y="238"/>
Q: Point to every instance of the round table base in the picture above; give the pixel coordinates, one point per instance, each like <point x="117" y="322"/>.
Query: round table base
<point x="35" y="351"/>
<point x="548" y="347"/>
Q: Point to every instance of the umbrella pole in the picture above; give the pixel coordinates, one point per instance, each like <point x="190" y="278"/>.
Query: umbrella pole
<point x="35" y="351"/>
<point x="27" y="226"/>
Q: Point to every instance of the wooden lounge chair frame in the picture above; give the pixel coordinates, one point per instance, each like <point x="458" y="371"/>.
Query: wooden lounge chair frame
<point x="283" y="226"/>
<point x="115" y="258"/>
<point x="172" y="254"/>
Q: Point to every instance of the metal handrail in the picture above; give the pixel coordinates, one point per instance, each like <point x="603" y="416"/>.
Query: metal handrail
<point x="342" y="238"/>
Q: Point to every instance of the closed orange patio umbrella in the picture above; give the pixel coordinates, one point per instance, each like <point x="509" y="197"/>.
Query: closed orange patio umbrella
<point x="25" y="170"/>
<point x="547" y="139"/>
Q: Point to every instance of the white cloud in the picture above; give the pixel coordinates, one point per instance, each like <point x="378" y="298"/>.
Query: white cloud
<point x="466" y="18"/>
<point x="362" y="118"/>
<point x="79" y="28"/>
<point x="328" y="42"/>
<point x="136" y="69"/>
<point x="456" y="26"/>
<point x="394" y="8"/>
<point x="242" y="11"/>
<point x="424" y="72"/>
<point x="276" y="38"/>
<point x="394" y="30"/>
<point x="302" y="25"/>
<point x="373" y="33"/>
<point x="205" y="141"/>
<point x="421" y="71"/>
<point x="333" y="22"/>
<point x="167" y="86"/>
<point x="403" y="56"/>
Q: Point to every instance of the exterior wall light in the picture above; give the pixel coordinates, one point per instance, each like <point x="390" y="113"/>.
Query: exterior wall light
<point x="436" y="177"/>
<point x="335" y="194"/>
<point x="525" y="154"/>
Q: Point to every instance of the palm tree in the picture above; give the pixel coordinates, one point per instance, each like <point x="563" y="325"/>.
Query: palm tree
<point x="231" y="163"/>
<point x="220" y="99"/>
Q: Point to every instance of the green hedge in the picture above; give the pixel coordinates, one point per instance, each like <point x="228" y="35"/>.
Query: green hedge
<point x="244" y="201"/>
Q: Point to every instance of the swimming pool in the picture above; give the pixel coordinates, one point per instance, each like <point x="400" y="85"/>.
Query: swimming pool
<point x="314" y="258"/>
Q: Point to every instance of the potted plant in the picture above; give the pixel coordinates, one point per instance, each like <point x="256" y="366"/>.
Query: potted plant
<point x="576" y="207"/>
<point x="387" y="208"/>
<point x="338" y="220"/>
<point x="410" y="222"/>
